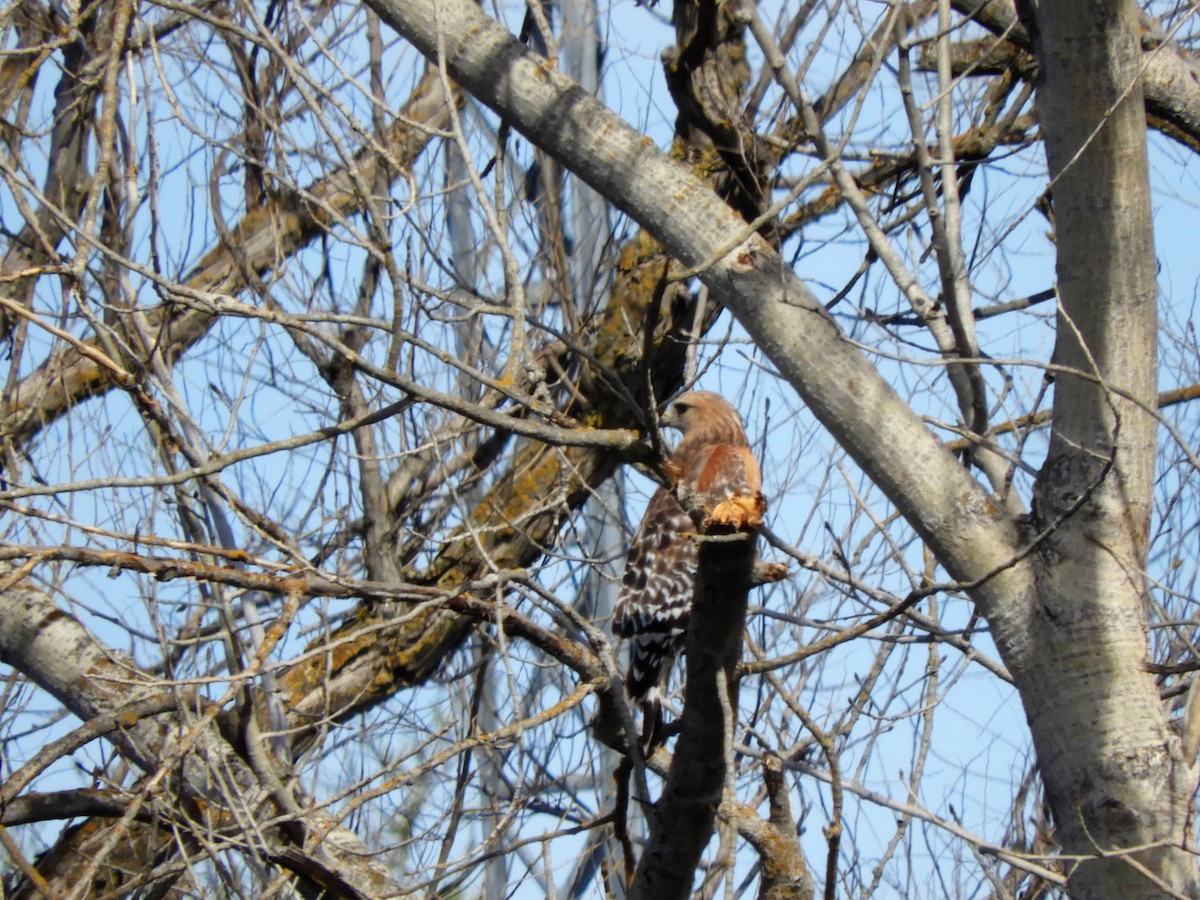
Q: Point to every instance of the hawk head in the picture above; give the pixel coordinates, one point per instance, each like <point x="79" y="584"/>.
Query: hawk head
<point x="705" y="417"/>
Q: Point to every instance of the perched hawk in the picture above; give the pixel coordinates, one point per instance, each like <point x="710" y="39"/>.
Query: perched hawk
<point x="712" y="464"/>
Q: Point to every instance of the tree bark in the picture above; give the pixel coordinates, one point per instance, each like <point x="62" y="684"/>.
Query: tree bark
<point x="258" y="243"/>
<point x="1126" y="785"/>
<point x="1171" y="76"/>
<point x="185" y="752"/>
<point x="1125" y="778"/>
<point x="775" y="306"/>
<point x="682" y="821"/>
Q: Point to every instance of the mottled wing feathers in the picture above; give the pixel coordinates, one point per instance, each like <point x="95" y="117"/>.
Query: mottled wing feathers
<point x="714" y="465"/>
<point x="656" y="593"/>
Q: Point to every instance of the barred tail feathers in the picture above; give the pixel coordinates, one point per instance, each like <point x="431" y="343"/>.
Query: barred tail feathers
<point x="651" y="658"/>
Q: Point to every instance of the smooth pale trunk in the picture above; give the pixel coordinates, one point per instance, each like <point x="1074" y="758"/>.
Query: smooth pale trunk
<point x="1067" y="617"/>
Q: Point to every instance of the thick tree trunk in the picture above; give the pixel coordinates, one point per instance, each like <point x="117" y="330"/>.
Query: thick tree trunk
<point x="1066" y="613"/>
<point x="682" y="821"/>
<point x="1113" y="769"/>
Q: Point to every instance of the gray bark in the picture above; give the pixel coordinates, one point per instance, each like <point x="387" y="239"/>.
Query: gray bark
<point x="1170" y="75"/>
<point x="1071" y="634"/>
<point x="1129" y="785"/>
<point x="181" y="749"/>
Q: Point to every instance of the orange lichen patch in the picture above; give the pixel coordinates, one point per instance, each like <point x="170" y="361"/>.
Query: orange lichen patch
<point x="742" y="512"/>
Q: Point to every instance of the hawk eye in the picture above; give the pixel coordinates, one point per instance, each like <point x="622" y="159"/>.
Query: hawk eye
<point x="682" y="408"/>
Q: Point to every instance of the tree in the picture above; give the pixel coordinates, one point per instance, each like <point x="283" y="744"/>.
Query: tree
<point x="318" y="355"/>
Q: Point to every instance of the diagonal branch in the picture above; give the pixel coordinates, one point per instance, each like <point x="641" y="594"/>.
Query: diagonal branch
<point x="1170" y="77"/>
<point x="56" y="652"/>
<point x="777" y="309"/>
<point x="262" y="240"/>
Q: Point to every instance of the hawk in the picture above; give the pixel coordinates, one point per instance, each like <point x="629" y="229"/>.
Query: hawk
<point x="713" y="467"/>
